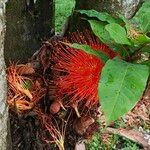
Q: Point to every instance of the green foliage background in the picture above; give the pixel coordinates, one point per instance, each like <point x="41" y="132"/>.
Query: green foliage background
<point x="62" y="10"/>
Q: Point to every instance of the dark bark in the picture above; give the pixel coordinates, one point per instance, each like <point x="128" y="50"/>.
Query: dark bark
<point x="27" y="24"/>
<point x="46" y="19"/>
<point x="125" y="7"/>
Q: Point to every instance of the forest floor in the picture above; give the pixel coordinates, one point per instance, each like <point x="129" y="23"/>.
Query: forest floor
<point x="124" y="134"/>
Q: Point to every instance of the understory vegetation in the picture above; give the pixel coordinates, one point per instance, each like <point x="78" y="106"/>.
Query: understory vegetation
<point x="62" y="10"/>
<point x="87" y="85"/>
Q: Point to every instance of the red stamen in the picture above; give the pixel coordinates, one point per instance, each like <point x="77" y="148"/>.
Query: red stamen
<point x="78" y="73"/>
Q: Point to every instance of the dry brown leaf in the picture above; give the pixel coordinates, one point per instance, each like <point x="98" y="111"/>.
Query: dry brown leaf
<point x="141" y="112"/>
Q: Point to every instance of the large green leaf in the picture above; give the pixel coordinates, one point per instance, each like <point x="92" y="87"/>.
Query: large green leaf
<point x="143" y="39"/>
<point x="145" y="22"/>
<point x="147" y="62"/>
<point x="102" y="16"/>
<point x="127" y="22"/>
<point x="142" y="17"/>
<point x="120" y="87"/>
<point x="98" y="28"/>
<point x="137" y="37"/>
<point x="89" y="50"/>
<point x="117" y="33"/>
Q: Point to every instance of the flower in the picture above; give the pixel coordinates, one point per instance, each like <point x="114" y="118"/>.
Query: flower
<point x="76" y="72"/>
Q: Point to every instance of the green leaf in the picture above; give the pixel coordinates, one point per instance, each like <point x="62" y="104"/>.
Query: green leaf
<point x="123" y="51"/>
<point x="89" y="50"/>
<point x="146" y="48"/>
<point x="147" y="62"/>
<point x="98" y="28"/>
<point x="128" y="24"/>
<point x="117" y="33"/>
<point x="145" y="22"/>
<point x="140" y="37"/>
<point x="143" y="39"/>
<point x="142" y="17"/>
<point x="102" y="16"/>
<point x="120" y="87"/>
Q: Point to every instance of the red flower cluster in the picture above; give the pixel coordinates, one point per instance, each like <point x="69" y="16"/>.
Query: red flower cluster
<point x="77" y="73"/>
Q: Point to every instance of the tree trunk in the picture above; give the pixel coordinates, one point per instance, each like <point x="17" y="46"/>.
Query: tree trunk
<point x="4" y="120"/>
<point x="28" y="22"/>
<point x="126" y="7"/>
